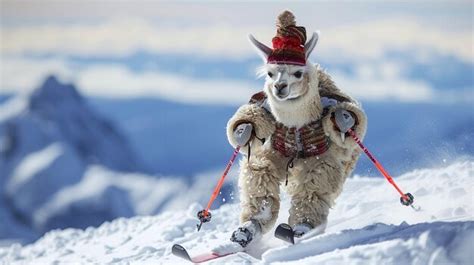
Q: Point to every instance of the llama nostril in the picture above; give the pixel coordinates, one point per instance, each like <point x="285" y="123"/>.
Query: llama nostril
<point x="280" y="86"/>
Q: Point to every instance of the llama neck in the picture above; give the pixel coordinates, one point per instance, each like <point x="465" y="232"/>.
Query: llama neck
<point x="298" y="114"/>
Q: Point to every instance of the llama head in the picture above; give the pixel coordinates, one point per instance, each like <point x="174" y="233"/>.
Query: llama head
<point x="286" y="68"/>
<point x="291" y="83"/>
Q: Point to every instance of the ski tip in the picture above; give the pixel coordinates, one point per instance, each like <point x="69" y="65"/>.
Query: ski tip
<point x="180" y="251"/>
<point x="285" y="233"/>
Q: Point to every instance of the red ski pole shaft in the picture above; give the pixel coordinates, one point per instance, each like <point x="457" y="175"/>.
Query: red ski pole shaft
<point x="204" y="215"/>
<point x="221" y="180"/>
<point x="377" y="164"/>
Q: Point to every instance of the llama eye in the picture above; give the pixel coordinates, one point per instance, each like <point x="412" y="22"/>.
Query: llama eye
<point x="298" y="74"/>
<point x="270" y="74"/>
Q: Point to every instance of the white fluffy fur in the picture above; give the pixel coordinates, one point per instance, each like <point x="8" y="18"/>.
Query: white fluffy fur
<point x="315" y="182"/>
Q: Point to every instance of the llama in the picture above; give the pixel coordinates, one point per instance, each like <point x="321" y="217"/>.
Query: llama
<point x="293" y="133"/>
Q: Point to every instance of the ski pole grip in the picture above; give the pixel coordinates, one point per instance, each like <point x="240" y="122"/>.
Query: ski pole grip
<point x="407" y="199"/>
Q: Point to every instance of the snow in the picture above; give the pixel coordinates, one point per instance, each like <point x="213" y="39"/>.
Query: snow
<point x="146" y="194"/>
<point x="121" y="194"/>
<point x="367" y="226"/>
<point x="12" y="108"/>
<point x="31" y="164"/>
<point x="382" y="244"/>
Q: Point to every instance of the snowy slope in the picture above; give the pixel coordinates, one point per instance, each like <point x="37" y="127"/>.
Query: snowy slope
<point x="367" y="226"/>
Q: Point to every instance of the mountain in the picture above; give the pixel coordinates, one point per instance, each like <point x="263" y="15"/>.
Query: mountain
<point x="62" y="164"/>
<point x="48" y="140"/>
<point x="368" y="225"/>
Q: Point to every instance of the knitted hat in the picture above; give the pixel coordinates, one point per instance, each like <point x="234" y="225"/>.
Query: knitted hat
<point x="288" y="44"/>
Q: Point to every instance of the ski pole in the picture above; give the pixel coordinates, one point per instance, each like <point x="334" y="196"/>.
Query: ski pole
<point x="204" y="215"/>
<point x="406" y="199"/>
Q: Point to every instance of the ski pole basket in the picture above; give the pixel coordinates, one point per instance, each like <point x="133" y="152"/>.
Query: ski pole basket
<point x="407" y="199"/>
<point x="204" y="216"/>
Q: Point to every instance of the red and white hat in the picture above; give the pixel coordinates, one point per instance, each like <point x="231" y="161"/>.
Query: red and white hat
<point x="288" y="44"/>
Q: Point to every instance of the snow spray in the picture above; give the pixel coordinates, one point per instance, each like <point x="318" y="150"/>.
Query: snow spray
<point x="204" y="216"/>
<point x="406" y="199"/>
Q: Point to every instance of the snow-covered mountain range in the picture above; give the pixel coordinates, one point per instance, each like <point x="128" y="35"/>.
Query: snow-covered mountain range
<point x="51" y="141"/>
<point x="367" y="226"/>
<point x="48" y="140"/>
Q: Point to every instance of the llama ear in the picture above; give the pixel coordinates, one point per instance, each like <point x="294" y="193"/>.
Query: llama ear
<point x="263" y="50"/>
<point x="309" y="46"/>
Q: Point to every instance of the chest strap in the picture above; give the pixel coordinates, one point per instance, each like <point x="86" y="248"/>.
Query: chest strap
<point x="307" y="141"/>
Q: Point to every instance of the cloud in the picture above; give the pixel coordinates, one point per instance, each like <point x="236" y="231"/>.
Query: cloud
<point x="119" y="81"/>
<point x="385" y="89"/>
<point x="383" y="81"/>
<point x="125" y="36"/>
<point x="120" y="37"/>
<point x="20" y="75"/>
<point x="371" y="81"/>
<point x="372" y="39"/>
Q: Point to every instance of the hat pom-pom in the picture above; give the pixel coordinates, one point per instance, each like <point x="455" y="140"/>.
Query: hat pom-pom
<point x="286" y="19"/>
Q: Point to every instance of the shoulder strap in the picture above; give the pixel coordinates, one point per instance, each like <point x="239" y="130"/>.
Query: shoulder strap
<point x="333" y="96"/>
<point x="258" y="98"/>
<point x="329" y="99"/>
<point x="327" y="103"/>
<point x="261" y="100"/>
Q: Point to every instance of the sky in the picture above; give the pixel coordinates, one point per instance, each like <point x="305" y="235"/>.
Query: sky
<point x="198" y="52"/>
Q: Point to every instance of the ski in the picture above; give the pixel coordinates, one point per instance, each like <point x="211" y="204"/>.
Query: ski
<point x="285" y="233"/>
<point x="181" y="252"/>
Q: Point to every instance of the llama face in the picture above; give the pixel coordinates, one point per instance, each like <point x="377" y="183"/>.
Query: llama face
<point x="286" y="82"/>
<point x="299" y="102"/>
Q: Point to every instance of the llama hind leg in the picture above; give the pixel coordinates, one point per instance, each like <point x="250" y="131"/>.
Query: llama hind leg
<point x="308" y="211"/>
<point x="312" y="194"/>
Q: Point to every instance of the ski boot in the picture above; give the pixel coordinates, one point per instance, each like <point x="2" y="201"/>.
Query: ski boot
<point x="300" y="229"/>
<point x="245" y="234"/>
<point x="288" y="234"/>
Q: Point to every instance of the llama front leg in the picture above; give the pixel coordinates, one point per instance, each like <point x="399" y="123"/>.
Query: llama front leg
<point x="260" y="192"/>
<point x="260" y="199"/>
